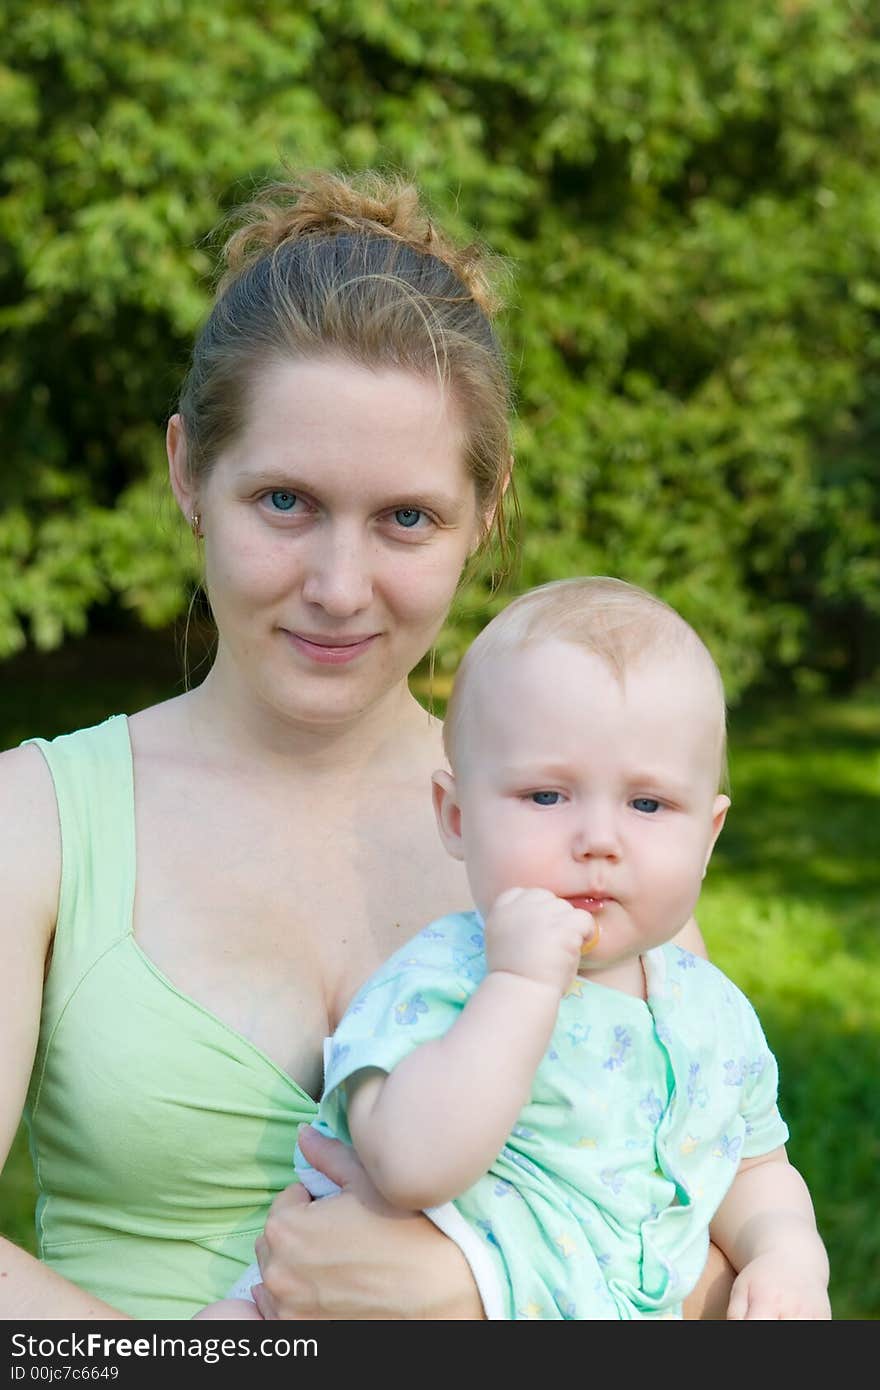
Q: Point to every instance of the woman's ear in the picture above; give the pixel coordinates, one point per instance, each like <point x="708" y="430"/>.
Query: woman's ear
<point x="448" y="812"/>
<point x="487" y="519"/>
<point x="505" y="484"/>
<point x="178" y="470"/>
<point x="508" y="475"/>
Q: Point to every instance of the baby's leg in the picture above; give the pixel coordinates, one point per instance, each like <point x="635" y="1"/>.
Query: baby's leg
<point x="230" y="1310"/>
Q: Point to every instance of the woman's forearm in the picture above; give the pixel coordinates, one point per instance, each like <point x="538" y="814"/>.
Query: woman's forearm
<point x="30" y="1290"/>
<point x="428" y="1130"/>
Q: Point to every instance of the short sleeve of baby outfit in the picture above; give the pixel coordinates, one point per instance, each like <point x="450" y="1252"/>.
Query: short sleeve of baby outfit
<point x="413" y="998"/>
<point x="755" y="1069"/>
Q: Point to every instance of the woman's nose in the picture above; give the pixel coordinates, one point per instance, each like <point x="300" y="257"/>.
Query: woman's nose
<point x="338" y="573"/>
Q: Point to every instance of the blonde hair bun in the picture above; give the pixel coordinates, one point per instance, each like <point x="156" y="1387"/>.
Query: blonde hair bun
<point x="321" y="203"/>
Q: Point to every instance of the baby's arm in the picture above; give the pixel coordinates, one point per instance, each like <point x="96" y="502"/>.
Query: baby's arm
<point x="428" y="1130"/>
<point x="767" y="1229"/>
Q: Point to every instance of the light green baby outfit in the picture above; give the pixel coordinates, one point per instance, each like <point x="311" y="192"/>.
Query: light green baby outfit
<point x="159" y="1135"/>
<point x="599" y="1204"/>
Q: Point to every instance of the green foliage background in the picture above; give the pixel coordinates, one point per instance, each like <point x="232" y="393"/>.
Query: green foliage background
<point x="687" y="193"/>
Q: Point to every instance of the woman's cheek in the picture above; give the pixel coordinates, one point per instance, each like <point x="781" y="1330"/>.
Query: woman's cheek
<point x="426" y="593"/>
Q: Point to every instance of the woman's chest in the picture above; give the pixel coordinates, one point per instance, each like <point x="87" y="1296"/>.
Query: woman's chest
<point x="271" y="918"/>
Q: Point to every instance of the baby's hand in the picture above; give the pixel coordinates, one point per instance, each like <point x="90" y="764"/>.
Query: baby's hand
<point x="531" y="932"/>
<point x="776" y="1288"/>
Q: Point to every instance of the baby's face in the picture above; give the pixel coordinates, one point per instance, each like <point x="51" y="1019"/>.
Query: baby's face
<point x="603" y="792"/>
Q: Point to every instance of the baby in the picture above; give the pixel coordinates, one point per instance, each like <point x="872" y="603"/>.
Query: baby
<point x="578" y="1103"/>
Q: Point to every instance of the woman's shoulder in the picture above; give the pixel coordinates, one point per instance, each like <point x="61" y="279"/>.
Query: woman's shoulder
<point x="75" y="759"/>
<point x="34" y="777"/>
<point x="23" y="776"/>
<point x="107" y="730"/>
<point x="50" y="788"/>
<point x="30" y="838"/>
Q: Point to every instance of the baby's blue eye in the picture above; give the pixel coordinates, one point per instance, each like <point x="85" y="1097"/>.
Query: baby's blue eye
<point x="407" y="516"/>
<point x="283" y="501"/>
<point x="646" y="804"/>
<point x="545" y="798"/>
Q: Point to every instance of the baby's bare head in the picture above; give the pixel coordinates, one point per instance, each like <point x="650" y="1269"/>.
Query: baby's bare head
<point x="621" y="624"/>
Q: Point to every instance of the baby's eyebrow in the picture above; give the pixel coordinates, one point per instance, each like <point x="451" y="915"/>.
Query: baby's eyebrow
<point x="536" y="772"/>
<point x="642" y="779"/>
<point x="654" y="780"/>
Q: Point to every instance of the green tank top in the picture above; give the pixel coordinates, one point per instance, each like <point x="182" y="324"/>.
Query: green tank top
<point x="159" y="1135"/>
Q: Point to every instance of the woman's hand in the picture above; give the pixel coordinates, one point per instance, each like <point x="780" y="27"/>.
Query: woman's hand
<point x="352" y="1257"/>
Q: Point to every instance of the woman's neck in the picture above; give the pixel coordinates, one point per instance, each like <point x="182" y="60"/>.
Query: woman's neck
<point x="226" y="718"/>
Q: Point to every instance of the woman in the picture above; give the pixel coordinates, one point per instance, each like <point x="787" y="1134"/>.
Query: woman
<point x="198" y="891"/>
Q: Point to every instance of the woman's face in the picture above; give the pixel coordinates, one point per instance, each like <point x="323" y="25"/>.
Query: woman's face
<point x="336" y="528"/>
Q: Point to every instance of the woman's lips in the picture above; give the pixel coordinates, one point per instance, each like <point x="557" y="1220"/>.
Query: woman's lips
<point x="330" y="651"/>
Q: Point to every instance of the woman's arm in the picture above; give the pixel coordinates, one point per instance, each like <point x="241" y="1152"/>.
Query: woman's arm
<point x="30" y="870"/>
<point x="31" y="1291"/>
<point x="355" y="1258"/>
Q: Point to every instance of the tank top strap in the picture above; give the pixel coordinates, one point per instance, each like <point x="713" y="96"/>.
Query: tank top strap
<point x="94" y="787"/>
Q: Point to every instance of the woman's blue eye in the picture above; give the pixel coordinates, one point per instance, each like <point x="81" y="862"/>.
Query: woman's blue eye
<point x="646" y="804"/>
<point x="283" y="501"/>
<point x="545" y="798"/>
<point x="407" y="516"/>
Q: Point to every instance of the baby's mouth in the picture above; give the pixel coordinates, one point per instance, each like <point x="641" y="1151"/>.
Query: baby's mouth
<point x="588" y="903"/>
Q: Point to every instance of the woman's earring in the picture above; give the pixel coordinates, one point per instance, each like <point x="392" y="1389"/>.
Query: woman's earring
<point x="195" y="521"/>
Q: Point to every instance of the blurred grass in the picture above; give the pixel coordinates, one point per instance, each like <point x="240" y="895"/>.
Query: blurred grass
<point x="790" y="910"/>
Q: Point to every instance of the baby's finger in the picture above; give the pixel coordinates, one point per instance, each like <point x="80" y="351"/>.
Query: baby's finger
<point x="590" y="932"/>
